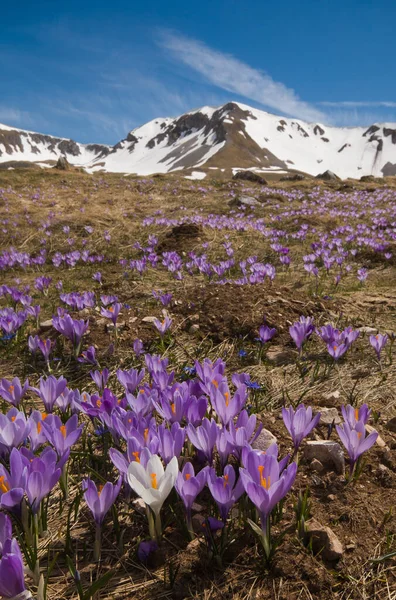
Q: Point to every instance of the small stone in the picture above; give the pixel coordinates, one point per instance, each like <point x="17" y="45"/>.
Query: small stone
<point x="380" y="442"/>
<point x="194" y="328"/>
<point x="279" y="356"/>
<point x="139" y="505"/>
<point x="264" y="440"/>
<point x="120" y="325"/>
<point x="350" y="547"/>
<point x="327" y="452"/>
<point x="149" y="319"/>
<point x="391" y="425"/>
<point x="45" y="325"/>
<point x="331" y="399"/>
<point x="317" y="466"/>
<point x="328" y="415"/>
<point x="198" y="521"/>
<point x="324" y="541"/>
<point x="197" y="507"/>
<point x="331" y="497"/>
<point x="368" y="330"/>
<point x="194" y="317"/>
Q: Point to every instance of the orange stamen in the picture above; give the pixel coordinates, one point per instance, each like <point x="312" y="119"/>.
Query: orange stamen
<point x="11" y="389"/>
<point x="39" y="427"/>
<point x="137" y="456"/>
<point x="225" y="477"/>
<point x="145" y="434"/>
<point x="4" y="485"/>
<point x="357" y="414"/>
<point x="100" y="489"/>
<point x="98" y="403"/>
<point x="215" y="383"/>
<point x="62" y="429"/>
<point x="227" y="398"/>
<point x="154" y="480"/>
<point x="173" y="408"/>
<point x="188" y="476"/>
<point x="13" y="419"/>
<point x="264" y="481"/>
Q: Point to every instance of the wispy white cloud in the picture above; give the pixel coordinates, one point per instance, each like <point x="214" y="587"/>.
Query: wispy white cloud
<point x="229" y="73"/>
<point x="352" y="104"/>
<point x="14" y="116"/>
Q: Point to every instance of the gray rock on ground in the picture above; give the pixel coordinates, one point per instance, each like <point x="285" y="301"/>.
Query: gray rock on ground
<point x="324" y="541"/>
<point x="329" y="453"/>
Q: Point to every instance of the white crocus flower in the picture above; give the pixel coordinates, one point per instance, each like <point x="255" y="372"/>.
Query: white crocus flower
<point x="153" y="484"/>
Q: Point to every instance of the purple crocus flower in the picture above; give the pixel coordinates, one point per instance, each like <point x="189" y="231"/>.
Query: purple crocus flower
<point x="100" y="500"/>
<point x="45" y="348"/>
<point x="188" y="486"/>
<point x="61" y="437"/>
<point x="299" y="423"/>
<point x="5" y="530"/>
<point x="378" y="342"/>
<point x="100" y="378"/>
<point x="163" y="325"/>
<point x="131" y="379"/>
<point x="14" y="429"/>
<point x="266" y="333"/>
<point x="355" y="440"/>
<point x="43" y="475"/>
<point x="138" y="347"/>
<point x="336" y="350"/>
<point x="171" y="441"/>
<point x="88" y="356"/>
<point x="12" y="581"/>
<point x="73" y="329"/>
<point x="13" y="391"/>
<point x="265" y="483"/>
<point x="146" y="548"/>
<point x="224" y="490"/>
<point x="225" y="405"/>
<point x="352" y="415"/>
<point x="13" y="482"/>
<point x="112" y="312"/>
<point x="203" y="438"/>
<point x="49" y="390"/>
<point x="301" y="330"/>
<point x="33" y="343"/>
<point x="242" y="432"/>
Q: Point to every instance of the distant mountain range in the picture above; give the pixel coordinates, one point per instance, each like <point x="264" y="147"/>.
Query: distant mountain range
<point x="226" y="139"/>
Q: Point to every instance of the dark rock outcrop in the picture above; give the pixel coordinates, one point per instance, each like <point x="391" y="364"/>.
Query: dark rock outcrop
<point x="250" y="176"/>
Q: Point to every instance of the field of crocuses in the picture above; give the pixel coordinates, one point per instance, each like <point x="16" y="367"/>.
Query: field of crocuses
<point x="197" y="388"/>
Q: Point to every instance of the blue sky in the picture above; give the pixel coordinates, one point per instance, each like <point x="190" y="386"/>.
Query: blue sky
<point x="94" y="70"/>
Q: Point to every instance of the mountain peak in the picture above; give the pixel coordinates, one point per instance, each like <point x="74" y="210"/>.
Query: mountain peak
<point x="225" y="139"/>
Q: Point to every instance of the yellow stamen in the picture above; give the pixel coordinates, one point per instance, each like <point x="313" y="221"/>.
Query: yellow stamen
<point x="62" y="429"/>
<point x="4" y="486"/>
<point x="137" y="456"/>
<point x="154" y="480"/>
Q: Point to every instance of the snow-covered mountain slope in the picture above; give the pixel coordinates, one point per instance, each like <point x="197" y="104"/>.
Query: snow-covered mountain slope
<point x="20" y="145"/>
<point x="227" y="138"/>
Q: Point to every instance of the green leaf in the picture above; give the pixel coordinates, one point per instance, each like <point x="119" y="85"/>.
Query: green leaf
<point x="98" y="585"/>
